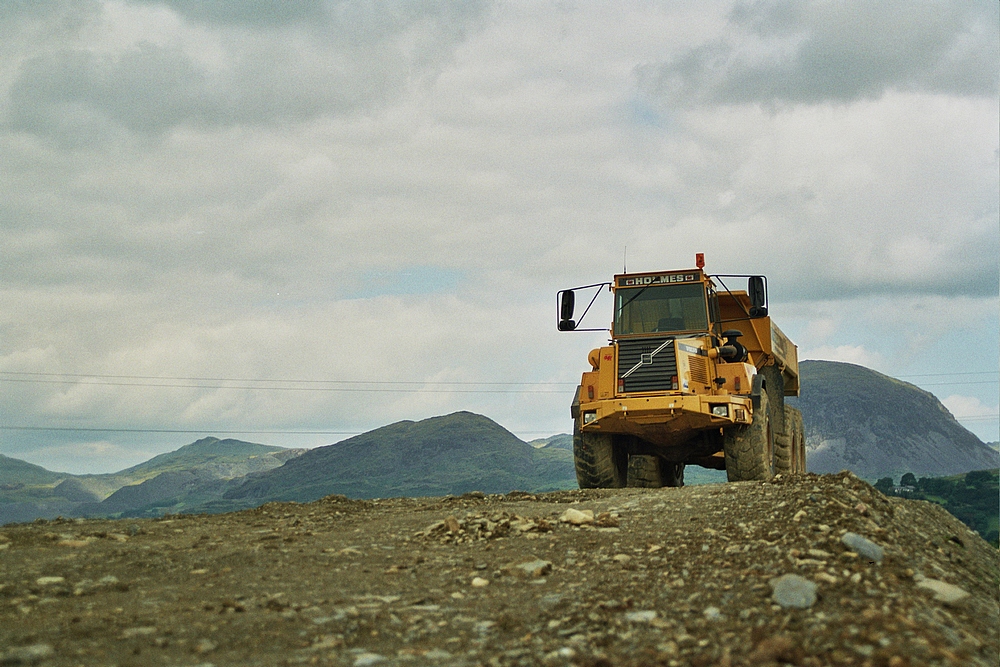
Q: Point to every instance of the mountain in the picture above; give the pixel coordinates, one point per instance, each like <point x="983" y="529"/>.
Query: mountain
<point x="15" y="473"/>
<point x="452" y="454"/>
<point x="561" y="441"/>
<point x="193" y="475"/>
<point x="875" y="426"/>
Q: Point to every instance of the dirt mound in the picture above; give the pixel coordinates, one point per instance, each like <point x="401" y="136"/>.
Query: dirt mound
<point x="815" y="570"/>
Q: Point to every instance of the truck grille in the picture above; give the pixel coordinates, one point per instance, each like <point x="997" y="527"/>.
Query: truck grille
<point x="699" y="370"/>
<point x="655" y="376"/>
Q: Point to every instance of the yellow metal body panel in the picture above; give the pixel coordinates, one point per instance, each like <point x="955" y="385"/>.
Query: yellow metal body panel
<point x="664" y="420"/>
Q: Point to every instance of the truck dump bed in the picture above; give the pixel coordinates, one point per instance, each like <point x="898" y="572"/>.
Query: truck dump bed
<point x="762" y="338"/>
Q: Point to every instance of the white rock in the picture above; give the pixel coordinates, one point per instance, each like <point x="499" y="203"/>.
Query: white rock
<point x="48" y="581"/>
<point x="479" y="582"/>
<point x="863" y="547"/>
<point x="536" y="568"/>
<point x="641" y="616"/>
<point x="943" y="591"/>
<point x="577" y="517"/>
<point x="791" y="590"/>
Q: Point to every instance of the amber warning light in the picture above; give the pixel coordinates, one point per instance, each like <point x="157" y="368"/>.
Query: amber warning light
<point x="699" y="260"/>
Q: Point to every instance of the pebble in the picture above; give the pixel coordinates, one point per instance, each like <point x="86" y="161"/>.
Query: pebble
<point x="791" y="590"/>
<point x="366" y="659"/>
<point x="479" y="582"/>
<point x="641" y="616"/>
<point x="141" y="631"/>
<point x="48" y="581"/>
<point x="943" y="591"/>
<point x="577" y="517"/>
<point x="27" y="655"/>
<point x="712" y="613"/>
<point x="535" y="568"/>
<point x="863" y="546"/>
<point x="205" y="646"/>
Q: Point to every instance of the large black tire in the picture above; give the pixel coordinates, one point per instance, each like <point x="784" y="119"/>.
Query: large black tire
<point x="601" y="463"/>
<point x="749" y="449"/>
<point x="672" y="474"/>
<point x="783" y="453"/>
<point x="775" y="385"/>
<point x="797" y="434"/>
<point x="651" y="472"/>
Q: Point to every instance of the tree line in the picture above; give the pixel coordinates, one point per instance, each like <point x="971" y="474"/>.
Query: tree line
<point x="973" y="498"/>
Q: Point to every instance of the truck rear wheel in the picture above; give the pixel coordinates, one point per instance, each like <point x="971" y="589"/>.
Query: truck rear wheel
<point x="749" y="449"/>
<point x="651" y="472"/>
<point x="796" y="430"/>
<point x="601" y="463"/>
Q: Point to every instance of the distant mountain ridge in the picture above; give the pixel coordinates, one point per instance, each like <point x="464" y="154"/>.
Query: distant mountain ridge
<point x="452" y="454"/>
<point x="855" y="419"/>
<point x="875" y="426"/>
<point x="175" y="481"/>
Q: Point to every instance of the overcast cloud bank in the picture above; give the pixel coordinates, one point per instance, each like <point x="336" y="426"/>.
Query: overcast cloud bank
<point x="248" y="192"/>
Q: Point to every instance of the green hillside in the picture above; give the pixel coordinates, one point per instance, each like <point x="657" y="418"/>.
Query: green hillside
<point x="193" y="475"/>
<point x="15" y="471"/>
<point x="973" y="497"/>
<point x="452" y="454"/>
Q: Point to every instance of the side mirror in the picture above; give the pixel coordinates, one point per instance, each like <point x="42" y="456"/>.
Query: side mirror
<point x="567" y="303"/>
<point x="758" y="296"/>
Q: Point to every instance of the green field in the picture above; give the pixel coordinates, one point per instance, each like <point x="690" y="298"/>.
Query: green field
<point x="973" y="497"/>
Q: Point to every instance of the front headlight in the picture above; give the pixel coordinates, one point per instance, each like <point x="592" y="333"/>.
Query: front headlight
<point x="720" y="410"/>
<point x="589" y="417"/>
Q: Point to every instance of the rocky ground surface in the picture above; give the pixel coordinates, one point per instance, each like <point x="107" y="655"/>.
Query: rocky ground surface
<point x="810" y="571"/>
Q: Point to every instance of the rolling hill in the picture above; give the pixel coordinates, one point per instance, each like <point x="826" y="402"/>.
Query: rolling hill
<point x="189" y="476"/>
<point x="452" y="454"/>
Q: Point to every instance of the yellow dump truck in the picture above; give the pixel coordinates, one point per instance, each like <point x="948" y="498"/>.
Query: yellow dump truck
<point x="694" y="373"/>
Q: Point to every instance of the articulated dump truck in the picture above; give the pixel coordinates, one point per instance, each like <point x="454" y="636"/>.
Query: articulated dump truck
<point x="694" y="373"/>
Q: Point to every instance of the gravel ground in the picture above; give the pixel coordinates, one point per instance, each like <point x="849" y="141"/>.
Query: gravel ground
<point x="811" y="571"/>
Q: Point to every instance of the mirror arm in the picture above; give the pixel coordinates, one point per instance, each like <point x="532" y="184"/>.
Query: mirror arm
<point x="587" y="309"/>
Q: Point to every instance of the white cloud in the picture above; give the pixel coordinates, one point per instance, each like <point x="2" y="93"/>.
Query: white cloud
<point x="852" y="354"/>
<point x="970" y="407"/>
<point x="327" y="191"/>
<point x="809" y="52"/>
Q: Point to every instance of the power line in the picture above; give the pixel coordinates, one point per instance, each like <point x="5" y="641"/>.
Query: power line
<point x="410" y="390"/>
<point x="87" y="429"/>
<point x="928" y="375"/>
<point x="349" y="386"/>
<point x="216" y="379"/>
<point x="352" y="386"/>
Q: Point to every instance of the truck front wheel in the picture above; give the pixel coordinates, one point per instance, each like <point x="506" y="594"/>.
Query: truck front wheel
<point x="749" y="449"/>
<point x="601" y="463"/>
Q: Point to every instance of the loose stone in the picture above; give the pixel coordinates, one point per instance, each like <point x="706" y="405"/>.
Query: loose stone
<point x="27" y="655"/>
<point x="943" y="591"/>
<point x="863" y="547"/>
<point x="791" y="590"/>
<point x="535" y="568"/>
<point x="577" y="517"/>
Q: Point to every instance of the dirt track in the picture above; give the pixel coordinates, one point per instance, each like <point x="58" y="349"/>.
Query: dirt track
<point x="662" y="577"/>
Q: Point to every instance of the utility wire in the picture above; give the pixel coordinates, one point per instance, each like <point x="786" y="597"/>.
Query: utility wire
<point x="211" y="379"/>
<point x="207" y="430"/>
<point x="403" y="386"/>
<point x="412" y="390"/>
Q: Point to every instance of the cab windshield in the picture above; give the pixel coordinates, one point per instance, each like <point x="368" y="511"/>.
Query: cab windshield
<point x="656" y="308"/>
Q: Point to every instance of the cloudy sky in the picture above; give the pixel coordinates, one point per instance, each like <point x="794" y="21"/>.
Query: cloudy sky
<point x="291" y="222"/>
